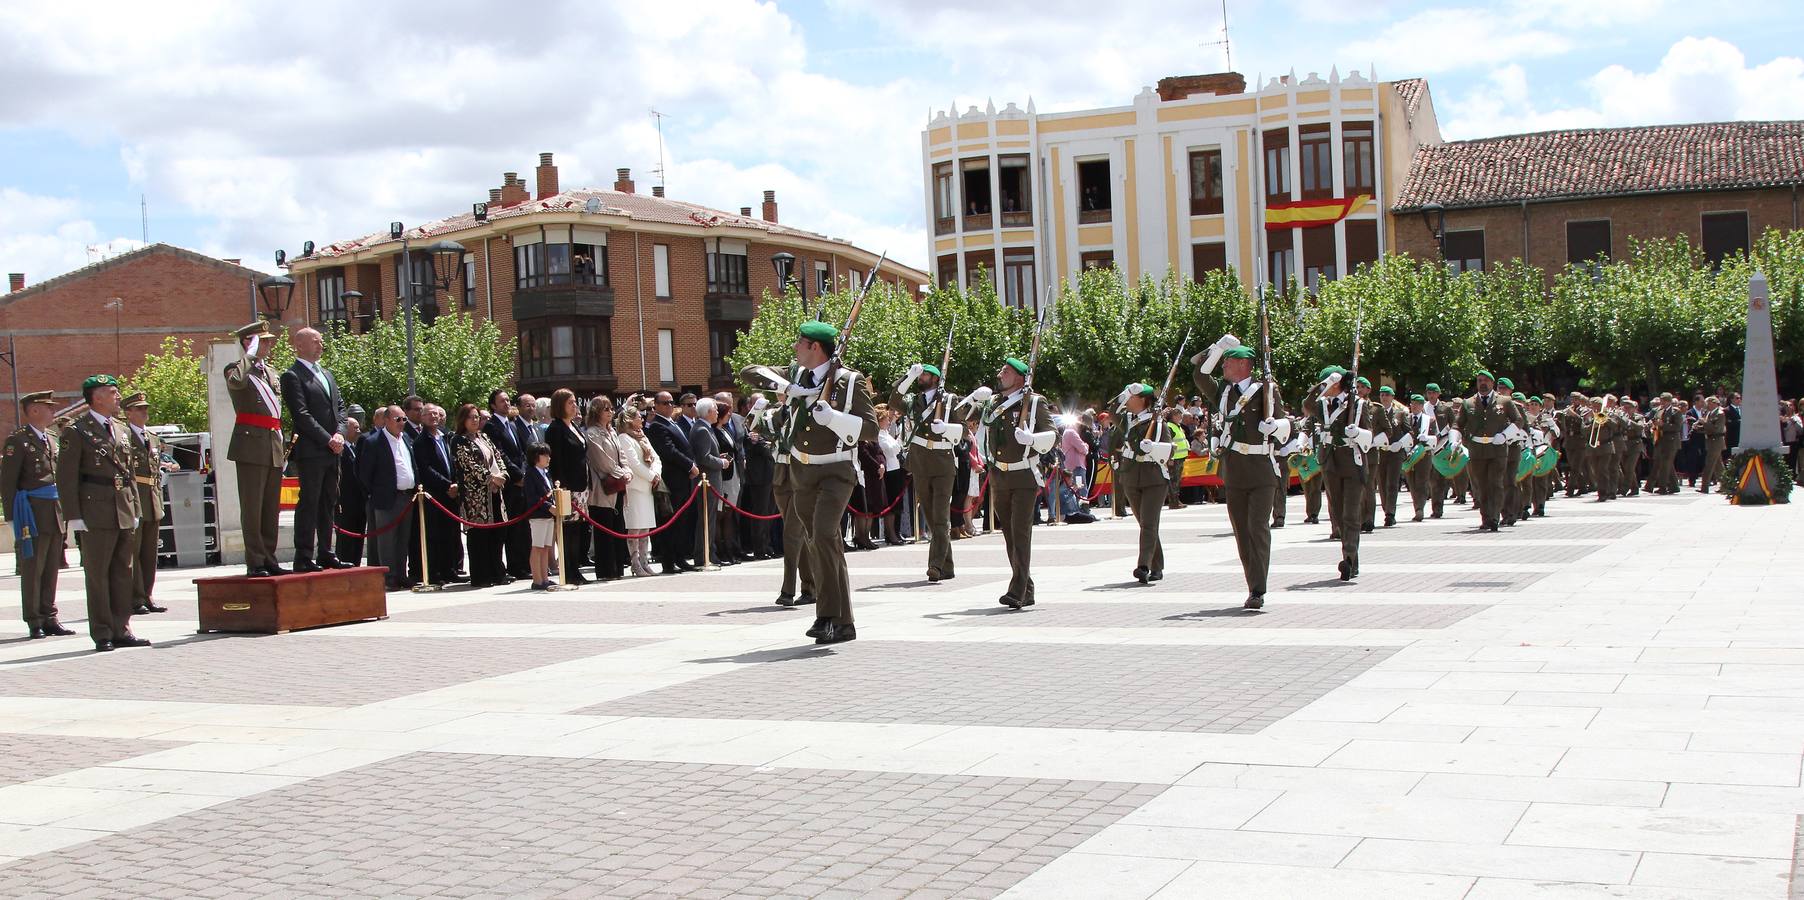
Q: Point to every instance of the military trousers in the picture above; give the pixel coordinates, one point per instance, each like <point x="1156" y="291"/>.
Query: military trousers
<point x="1665" y="475"/>
<point x="1147" y="500"/>
<point x="1626" y="475"/>
<point x="259" y="503"/>
<point x="1250" y="515"/>
<point x="1420" y="485"/>
<point x="1312" y="497"/>
<point x="106" y="565"/>
<point x="1368" y="503"/>
<point x="1014" y="495"/>
<point x="821" y="494"/>
<point x="1713" y="463"/>
<point x="1578" y="470"/>
<point x="795" y="535"/>
<point x="1603" y="474"/>
<point x="1511" y="507"/>
<point x="1390" y="480"/>
<point x="144" y="555"/>
<point x="37" y="575"/>
<point x="932" y="472"/>
<point x="1485" y="476"/>
<point x="1347" y="491"/>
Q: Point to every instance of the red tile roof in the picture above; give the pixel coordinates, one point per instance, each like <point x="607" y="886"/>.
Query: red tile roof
<point x="1605" y="162"/>
<point x="1410" y="91"/>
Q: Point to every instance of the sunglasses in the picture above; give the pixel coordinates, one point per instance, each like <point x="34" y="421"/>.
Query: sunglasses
<point x="660" y="403"/>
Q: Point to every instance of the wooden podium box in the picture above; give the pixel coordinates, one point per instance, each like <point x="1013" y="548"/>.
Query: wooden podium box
<point x="285" y="603"/>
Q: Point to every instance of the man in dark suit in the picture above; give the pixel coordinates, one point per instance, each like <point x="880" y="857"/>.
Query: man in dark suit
<point x="668" y="440"/>
<point x="432" y="465"/>
<point x="387" y="471"/>
<point x="755" y="495"/>
<point x="705" y="449"/>
<point x="370" y="443"/>
<point x="509" y="435"/>
<point x="311" y="394"/>
<point x="352" y="503"/>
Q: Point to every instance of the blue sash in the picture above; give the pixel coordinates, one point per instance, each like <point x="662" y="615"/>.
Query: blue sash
<point x="25" y="522"/>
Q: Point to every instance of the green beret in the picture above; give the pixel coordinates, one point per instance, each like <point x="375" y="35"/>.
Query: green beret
<point x="816" y="330"/>
<point x="1330" y="371"/>
<point x="1363" y="381"/>
<point x="1506" y="383"/>
<point x="1016" y="364"/>
<point x="1519" y="395"/>
<point x="1483" y="373"/>
<point x="95" y="381"/>
<point x="1432" y="387"/>
<point x="1240" y="352"/>
<point x="1417" y="398"/>
<point x="931" y="369"/>
<point x="1387" y="389"/>
<point x="1141" y="389"/>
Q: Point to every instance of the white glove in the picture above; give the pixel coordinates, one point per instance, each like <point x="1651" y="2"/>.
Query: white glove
<point x="1404" y="443"/>
<point x="1354" y="432"/>
<point x="953" y="432"/>
<point x="796" y="391"/>
<point x="1024" y="437"/>
<point x="981" y="395"/>
<point x="937" y="427"/>
<point x="1453" y="437"/>
<point x="759" y="404"/>
<point x="1333" y="378"/>
<point x="1226" y="343"/>
<point x="1501" y="437"/>
<point x="77" y="526"/>
<point x="908" y="378"/>
<point x="1514" y="433"/>
<point x="1146" y="445"/>
<point x="915" y="371"/>
<point x="846" y="425"/>
<point x="1042" y="441"/>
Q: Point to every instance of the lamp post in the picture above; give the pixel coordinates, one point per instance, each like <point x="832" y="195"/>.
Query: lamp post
<point x="117" y="304"/>
<point x="445" y="257"/>
<point x="348" y="301"/>
<point x="1434" y="215"/>
<point x="277" y="292"/>
<point x="785" y="264"/>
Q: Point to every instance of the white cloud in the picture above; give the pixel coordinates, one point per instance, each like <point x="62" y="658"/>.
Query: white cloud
<point x="1699" y="80"/>
<point x="45" y="236"/>
<point x="1446" y="39"/>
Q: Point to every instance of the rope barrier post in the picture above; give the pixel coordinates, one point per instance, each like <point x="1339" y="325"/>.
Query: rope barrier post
<point x="425" y="586"/>
<point x="560" y="511"/>
<point x="707" y="537"/>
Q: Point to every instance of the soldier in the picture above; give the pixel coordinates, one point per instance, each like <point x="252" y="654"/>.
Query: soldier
<point x="1420" y="424"/>
<point x="1253" y="428"/>
<point x="256" y="447"/>
<point x="28" y="483"/>
<point x="1487" y="421"/>
<point x="1440" y="419"/>
<point x="1017" y="427"/>
<point x="1543" y="432"/>
<point x="1345" y="428"/>
<point x="95" y="477"/>
<point x="929" y="441"/>
<point x="1574" y="444"/>
<point x="1141" y="450"/>
<point x="1715" y="425"/>
<point x="831" y="410"/>
<point x="1398" y="441"/>
<point x="1634" y="448"/>
<point x="1511" y="508"/>
<point x="1668" y="426"/>
<point x="1600" y="443"/>
<point x="1368" y="504"/>
<point x="1312" y="499"/>
<point x="148" y="473"/>
<point x="773" y="423"/>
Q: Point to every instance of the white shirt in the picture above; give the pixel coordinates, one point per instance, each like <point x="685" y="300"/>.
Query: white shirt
<point x="891" y="445"/>
<point x="404" y="479"/>
<point x="820" y="373"/>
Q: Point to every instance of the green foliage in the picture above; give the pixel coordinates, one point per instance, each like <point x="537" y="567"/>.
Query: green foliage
<point x="456" y="359"/>
<point x="1779" y="478"/>
<point x="174" y="380"/>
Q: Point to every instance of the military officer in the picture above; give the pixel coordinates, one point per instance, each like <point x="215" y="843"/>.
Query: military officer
<point x="772" y="423"/>
<point x="1668" y="425"/>
<point x="1142" y="450"/>
<point x="1634" y="448"/>
<point x="929" y="440"/>
<point x="256" y="447"/>
<point x="28" y="483"/>
<point x="1575" y="446"/>
<point x="830" y="410"/>
<point x="1486" y="422"/>
<point x="1017" y="427"/>
<point x="148" y="473"/>
<point x="1252" y="428"/>
<point x="95" y="469"/>
<point x="1420" y="424"/>
<point x="1715" y="425"/>
<point x="1345" y="432"/>
<point x="1398" y="440"/>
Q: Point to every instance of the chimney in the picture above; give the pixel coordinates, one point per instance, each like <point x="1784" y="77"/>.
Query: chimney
<point x="623" y="180"/>
<point x="546" y="175"/>
<point x="770" y="207"/>
<point x="495" y="197"/>
<point x="745" y="211"/>
<point x="15" y="282"/>
<point x="657" y="191"/>
<point x="1221" y="84"/>
<point x="513" y="190"/>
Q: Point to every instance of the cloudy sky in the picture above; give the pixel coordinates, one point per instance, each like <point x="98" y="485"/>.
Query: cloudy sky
<point x="250" y="125"/>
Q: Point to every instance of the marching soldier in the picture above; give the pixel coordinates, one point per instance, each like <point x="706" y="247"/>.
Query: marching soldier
<point x="1715" y="425"/>
<point x="1600" y="442"/>
<point x="1668" y="426"/>
<point x="1440" y="414"/>
<point x="28" y="483"/>
<point x="1017" y="428"/>
<point x="1574" y="443"/>
<point x="1634" y="428"/>
<point x="929" y="441"/>
<point x="1345" y="428"/>
<point x="1141" y="452"/>
<point x="1398" y="440"/>
<point x="1542" y="431"/>
<point x="256" y="447"/>
<point x="1421" y="426"/>
<point x="1487" y="421"/>
<point x="1368" y="504"/>
<point x="1253" y="428"/>
<point x="1511" y="507"/>
<point x="773" y="424"/>
<point x="95" y="477"/>
<point x="148" y="473"/>
<point x="831" y="410"/>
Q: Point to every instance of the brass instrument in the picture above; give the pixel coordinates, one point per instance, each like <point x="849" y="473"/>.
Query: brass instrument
<point x="1598" y="420"/>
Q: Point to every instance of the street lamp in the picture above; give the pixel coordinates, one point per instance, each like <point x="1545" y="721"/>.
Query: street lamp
<point x="277" y="292"/>
<point x="352" y="304"/>
<point x="785" y="264"/>
<point x="1434" y="215"/>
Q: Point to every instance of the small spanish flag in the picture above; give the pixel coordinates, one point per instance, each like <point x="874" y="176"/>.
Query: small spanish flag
<point x="1312" y="213"/>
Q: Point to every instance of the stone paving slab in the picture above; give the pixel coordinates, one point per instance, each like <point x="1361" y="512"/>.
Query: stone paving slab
<point x="28" y="757"/>
<point x="1222" y="689"/>
<point x="598" y="609"/>
<point x="1326" y="581"/>
<point x="1539" y="530"/>
<point x="468" y="825"/>
<point x="1380" y="551"/>
<point x="1178" y="614"/>
<point x="304" y="670"/>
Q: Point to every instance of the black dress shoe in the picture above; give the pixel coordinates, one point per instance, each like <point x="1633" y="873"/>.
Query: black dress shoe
<point x="828" y="633"/>
<point x="837" y="634"/>
<point x="686" y="567"/>
<point x="304" y="566"/>
<point x="1356" y="566"/>
<point x="140" y="610"/>
<point x="669" y="569"/>
<point x="152" y="607"/>
<point x="276" y="569"/>
<point x="332" y="562"/>
<point x="257" y="572"/>
<point x="1156" y="575"/>
<point x="933" y="576"/>
<point x="1346" y="571"/>
<point x="1254" y="601"/>
<point x="1277" y="524"/>
<point x="578" y="579"/>
<point x="458" y="579"/>
<point x="1010" y="601"/>
<point x="1140" y="574"/>
<point x="1311" y="520"/>
<point x="130" y="640"/>
<point x="35" y="632"/>
<point x="1029" y="601"/>
<point x="818" y="628"/>
<point x="103" y="646"/>
<point x="1366" y="528"/>
<point x="1390" y="521"/>
<point x="806" y="599"/>
<point x="53" y="628"/>
<point x="786" y="599"/>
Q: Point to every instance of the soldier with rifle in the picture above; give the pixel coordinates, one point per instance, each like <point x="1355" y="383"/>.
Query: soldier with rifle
<point x="1345" y="427"/>
<point x="1142" y="449"/>
<point x="928" y="441"/>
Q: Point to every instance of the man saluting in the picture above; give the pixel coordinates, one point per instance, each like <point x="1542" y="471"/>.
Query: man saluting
<point x="1253" y="426"/>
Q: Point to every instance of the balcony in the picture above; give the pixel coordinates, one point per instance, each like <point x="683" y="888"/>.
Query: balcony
<point x="563" y="295"/>
<point x="944" y="225"/>
<point x="728" y="307"/>
<point x="977" y="221"/>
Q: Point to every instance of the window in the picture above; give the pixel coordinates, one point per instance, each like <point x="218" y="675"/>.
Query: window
<point x="528" y="269"/>
<point x="823" y="279"/>
<point x="1319" y="265"/>
<point x="660" y="271"/>
<point x="726" y="270"/>
<point x="1207" y="257"/>
<point x="1315" y="162"/>
<point x="723" y="339"/>
<point x="1725" y="234"/>
<point x="1205" y="182"/>
<point x="566" y="349"/>
<point x="1017" y="190"/>
<point x="1097" y="259"/>
<point x="666" y="356"/>
<point x="1280" y="258"/>
<point x="469" y="280"/>
<point x="975" y="174"/>
<point x="980" y="268"/>
<point x="945" y="201"/>
<point x="1356" y="159"/>
<point x="1362" y="243"/>
<point x="948" y="265"/>
<point x="1585" y="241"/>
<point x="1277" y="166"/>
<point x="332" y="298"/>
<point x="1466" y="251"/>
<point x="1094" y="192"/>
<point x="1018" y="277"/>
<point x="539" y="262"/>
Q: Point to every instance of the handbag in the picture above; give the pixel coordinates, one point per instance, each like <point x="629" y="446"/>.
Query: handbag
<point x="614" y="484"/>
<point x="660" y="502"/>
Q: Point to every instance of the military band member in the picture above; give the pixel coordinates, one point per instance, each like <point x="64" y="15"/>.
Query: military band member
<point x="256" y="447"/>
<point x="1441" y="411"/>
<point x="1668" y="426"/>
<point x="148" y="473"/>
<point x="1344" y="425"/>
<point x="772" y="423"/>
<point x="28" y="486"/>
<point x="1543" y="432"/>
<point x="1420" y="424"/>
<point x="831" y="410"/>
<point x="1634" y="428"/>
<point x="1486" y="423"/>
<point x="928" y="441"/>
<point x="1141" y="451"/>
<point x="1575" y="448"/>
<point x="95" y="467"/>
<point x="1511" y="507"/>
<point x="1398" y="440"/>
<point x="1017" y="427"/>
<point x="1252" y="470"/>
<point x="1715" y="425"/>
<point x="1601" y="434"/>
<point x="1312" y="497"/>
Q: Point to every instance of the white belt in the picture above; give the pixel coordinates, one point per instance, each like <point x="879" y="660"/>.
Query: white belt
<point x="782" y="459"/>
<point x="1249" y="449"/>
<point x="1025" y="463"/>
<point x="821" y="459"/>
<point x="931" y="445"/>
<point x="1481" y="439"/>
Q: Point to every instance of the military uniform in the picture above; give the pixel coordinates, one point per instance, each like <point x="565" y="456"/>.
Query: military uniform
<point x="1424" y="431"/>
<point x="1482" y="421"/>
<point x="1344" y="425"/>
<point x="28" y="490"/>
<point x="1441" y="411"/>
<point x="929" y="458"/>
<point x="95" y="468"/>
<point x="1393" y="421"/>
<point x="1141" y="450"/>
<point x="1634" y="449"/>
<point x="1252" y="470"/>
<point x="148" y="473"/>
<point x="773" y="423"/>
<point x="1668" y="425"/>
<point x="1715" y="425"/>
<point x="256" y="447"/>
<point x="1543" y="433"/>
<point x="1015" y="474"/>
<point x="1602" y="431"/>
<point x="1574" y="444"/>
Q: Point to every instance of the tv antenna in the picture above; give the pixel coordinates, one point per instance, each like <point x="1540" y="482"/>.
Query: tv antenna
<point x="1227" y="48"/>
<point x="658" y="118"/>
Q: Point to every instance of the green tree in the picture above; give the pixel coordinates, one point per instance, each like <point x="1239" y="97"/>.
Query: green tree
<point x="174" y="380"/>
<point x="1658" y="317"/>
<point x="457" y="360"/>
<point x="1514" y="316"/>
<point x="1415" y="322"/>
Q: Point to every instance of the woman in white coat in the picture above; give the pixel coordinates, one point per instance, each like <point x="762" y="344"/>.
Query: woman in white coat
<point x="640" y="514"/>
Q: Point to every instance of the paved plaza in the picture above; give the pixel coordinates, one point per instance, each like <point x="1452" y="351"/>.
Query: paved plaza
<point x="1608" y="702"/>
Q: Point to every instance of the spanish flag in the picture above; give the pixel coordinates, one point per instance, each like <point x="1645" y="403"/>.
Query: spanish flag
<point x="1312" y="213"/>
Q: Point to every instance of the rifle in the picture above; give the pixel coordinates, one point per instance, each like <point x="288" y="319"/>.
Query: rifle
<point x="1352" y="385"/>
<point x="1265" y="354"/>
<point x="1033" y="362"/>
<point x="1159" y="399"/>
<point x="946" y="368"/>
<point x="845" y="333"/>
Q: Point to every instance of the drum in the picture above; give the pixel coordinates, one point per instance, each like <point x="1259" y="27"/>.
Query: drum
<point x="1416" y="454"/>
<point x="1451" y="460"/>
<point x="1305" y="466"/>
<point x="1525" y="464"/>
<point x="1545" y="463"/>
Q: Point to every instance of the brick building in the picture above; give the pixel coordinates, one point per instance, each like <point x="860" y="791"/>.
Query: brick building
<point x="69" y="327"/>
<point x="1560" y="197"/>
<point x="599" y="290"/>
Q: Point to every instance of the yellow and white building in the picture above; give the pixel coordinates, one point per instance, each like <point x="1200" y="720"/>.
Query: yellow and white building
<point x="1185" y="179"/>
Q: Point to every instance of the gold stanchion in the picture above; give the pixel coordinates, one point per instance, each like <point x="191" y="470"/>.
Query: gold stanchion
<point x="560" y="509"/>
<point x="707" y="542"/>
<point x="425" y="585"/>
<point x="919" y="535"/>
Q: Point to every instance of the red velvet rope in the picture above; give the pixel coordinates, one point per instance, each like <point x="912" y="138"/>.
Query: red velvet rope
<point x="750" y="515"/>
<point x="391" y="526"/>
<point x="906" y="480"/>
<point x="463" y="521"/>
<point x="628" y="537"/>
<point x="977" y="500"/>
